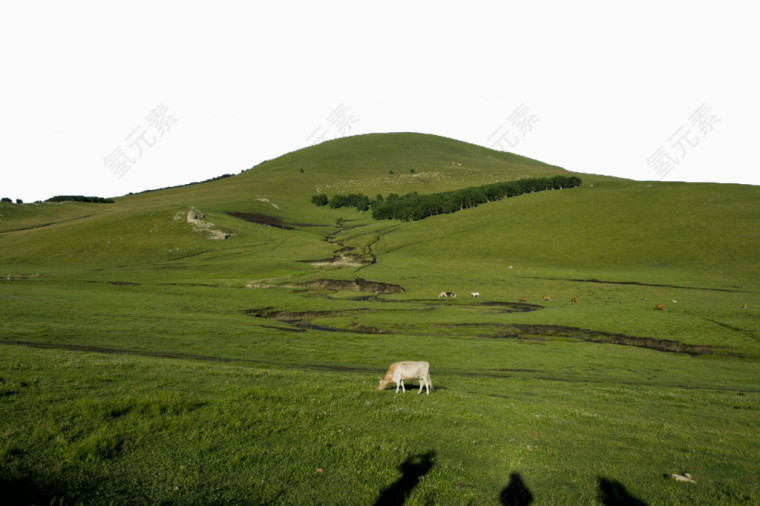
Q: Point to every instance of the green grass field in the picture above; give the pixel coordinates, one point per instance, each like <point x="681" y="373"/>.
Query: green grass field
<point x="147" y="359"/>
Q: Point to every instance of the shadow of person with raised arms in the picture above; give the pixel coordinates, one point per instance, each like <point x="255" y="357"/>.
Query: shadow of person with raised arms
<point x="516" y="493"/>
<point x="412" y="469"/>
<point x="613" y="493"/>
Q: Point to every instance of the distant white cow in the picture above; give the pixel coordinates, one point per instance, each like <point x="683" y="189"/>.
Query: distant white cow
<point x="475" y="294"/>
<point x="400" y="371"/>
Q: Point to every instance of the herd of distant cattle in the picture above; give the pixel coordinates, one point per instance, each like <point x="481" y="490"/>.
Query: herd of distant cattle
<point x="547" y="298"/>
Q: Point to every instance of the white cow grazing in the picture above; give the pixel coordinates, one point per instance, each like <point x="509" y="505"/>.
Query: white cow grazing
<point x="400" y="371"/>
<point x="475" y="294"/>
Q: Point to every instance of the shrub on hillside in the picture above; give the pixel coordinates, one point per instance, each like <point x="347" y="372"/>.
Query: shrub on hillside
<point x="357" y="200"/>
<point x="319" y="199"/>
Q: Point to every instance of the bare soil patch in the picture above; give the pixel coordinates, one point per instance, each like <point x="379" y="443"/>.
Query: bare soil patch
<point x="117" y="283"/>
<point x="260" y="219"/>
<point x="357" y="285"/>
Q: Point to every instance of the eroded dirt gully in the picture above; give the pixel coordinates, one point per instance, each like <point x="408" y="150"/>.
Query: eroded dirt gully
<point x="305" y="320"/>
<point x="345" y="255"/>
<point x="356" y="285"/>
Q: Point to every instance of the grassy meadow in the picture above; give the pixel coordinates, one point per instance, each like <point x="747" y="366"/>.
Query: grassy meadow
<point x="145" y="358"/>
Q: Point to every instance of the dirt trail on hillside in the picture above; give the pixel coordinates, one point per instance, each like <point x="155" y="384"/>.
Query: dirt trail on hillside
<point x="198" y="220"/>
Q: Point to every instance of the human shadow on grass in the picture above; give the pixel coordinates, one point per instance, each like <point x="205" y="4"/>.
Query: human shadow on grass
<point x="613" y="493"/>
<point x="31" y="489"/>
<point x="412" y="470"/>
<point x="516" y="493"/>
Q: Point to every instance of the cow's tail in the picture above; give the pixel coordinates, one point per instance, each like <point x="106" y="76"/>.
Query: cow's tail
<point x="430" y="383"/>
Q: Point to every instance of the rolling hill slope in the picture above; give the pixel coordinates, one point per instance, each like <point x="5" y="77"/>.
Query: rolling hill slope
<point x="660" y="230"/>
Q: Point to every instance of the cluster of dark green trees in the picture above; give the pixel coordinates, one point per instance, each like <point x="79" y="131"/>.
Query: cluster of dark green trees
<point x="413" y="206"/>
<point x="357" y="200"/>
<point x="79" y="198"/>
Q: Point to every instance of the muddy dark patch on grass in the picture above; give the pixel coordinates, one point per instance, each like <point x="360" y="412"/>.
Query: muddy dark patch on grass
<point x="260" y="219"/>
<point x="357" y="285"/>
<point x="117" y="283"/>
<point x="524" y="331"/>
<point x="506" y="307"/>
<point x="597" y="336"/>
<point x="636" y="283"/>
<point x="302" y="320"/>
<point x="511" y="307"/>
<point x="286" y="316"/>
<point x="206" y="285"/>
<point x="284" y="329"/>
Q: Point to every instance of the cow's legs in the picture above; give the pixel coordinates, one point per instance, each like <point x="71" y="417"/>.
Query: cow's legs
<point x="422" y="384"/>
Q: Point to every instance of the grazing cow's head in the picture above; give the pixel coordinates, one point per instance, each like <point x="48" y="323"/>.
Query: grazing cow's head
<point x="383" y="384"/>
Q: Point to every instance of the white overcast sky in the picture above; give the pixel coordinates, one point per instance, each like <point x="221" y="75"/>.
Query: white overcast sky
<point x="104" y="98"/>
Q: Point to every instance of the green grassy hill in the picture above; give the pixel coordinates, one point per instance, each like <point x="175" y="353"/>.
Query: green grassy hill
<point x="608" y="224"/>
<point x="170" y="346"/>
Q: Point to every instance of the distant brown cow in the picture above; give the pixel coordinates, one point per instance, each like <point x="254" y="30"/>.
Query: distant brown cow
<point x="659" y="307"/>
<point x="574" y="300"/>
<point x="546" y="298"/>
<point x="523" y="299"/>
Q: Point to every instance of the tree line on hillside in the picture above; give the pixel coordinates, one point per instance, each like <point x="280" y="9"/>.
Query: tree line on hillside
<point x="357" y="200"/>
<point x="79" y="198"/>
<point x="413" y="206"/>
